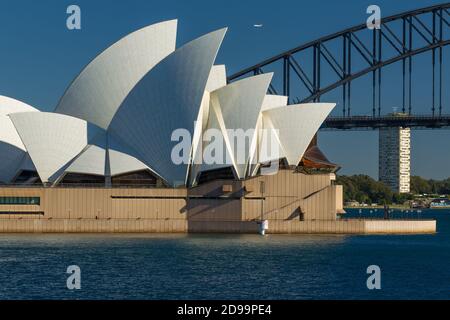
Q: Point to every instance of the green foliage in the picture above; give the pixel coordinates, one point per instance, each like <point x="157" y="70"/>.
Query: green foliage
<point x="364" y="189"/>
<point x="422" y="186"/>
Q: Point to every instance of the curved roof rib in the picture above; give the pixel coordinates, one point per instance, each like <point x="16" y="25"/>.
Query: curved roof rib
<point x="97" y="92"/>
<point x="12" y="150"/>
<point x="166" y="99"/>
<point x="52" y="140"/>
<point x="267" y="139"/>
<point x="214" y="121"/>
<point x="240" y="105"/>
<point x="297" y="125"/>
<point x="217" y="79"/>
<point x="197" y="139"/>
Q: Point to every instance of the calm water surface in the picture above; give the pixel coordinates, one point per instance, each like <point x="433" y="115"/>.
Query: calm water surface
<point x="227" y="266"/>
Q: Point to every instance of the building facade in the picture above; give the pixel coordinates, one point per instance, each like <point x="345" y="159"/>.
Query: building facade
<point x="106" y="158"/>
<point x="291" y="202"/>
<point x="395" y="158"/>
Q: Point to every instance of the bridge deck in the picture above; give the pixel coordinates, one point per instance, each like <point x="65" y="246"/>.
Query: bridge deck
<point x="369" y="122"/>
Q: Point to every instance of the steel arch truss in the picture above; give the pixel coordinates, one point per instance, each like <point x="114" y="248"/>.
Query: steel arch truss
<point x="358" y="51"/>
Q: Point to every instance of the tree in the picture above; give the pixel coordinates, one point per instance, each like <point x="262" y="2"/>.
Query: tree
<point x="364" y="189"/>
<point x="420" y="185"/>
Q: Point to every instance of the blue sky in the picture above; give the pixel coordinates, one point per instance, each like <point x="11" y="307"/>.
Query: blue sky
<point x="40" y="56"/>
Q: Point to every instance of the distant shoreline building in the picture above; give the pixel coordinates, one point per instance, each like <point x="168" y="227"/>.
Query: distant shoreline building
<point x="395" y="158"/>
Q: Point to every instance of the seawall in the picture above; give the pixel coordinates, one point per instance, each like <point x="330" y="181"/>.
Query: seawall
<point x="350" y="226"/>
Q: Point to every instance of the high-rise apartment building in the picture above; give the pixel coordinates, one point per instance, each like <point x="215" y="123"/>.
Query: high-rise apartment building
<point x="395" y="158"/>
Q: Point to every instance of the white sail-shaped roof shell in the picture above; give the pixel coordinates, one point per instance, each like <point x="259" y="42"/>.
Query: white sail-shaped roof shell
<point x="216" y="132"/>
<point x="166" y="99"/>
<point x="118" y="116"/>
<point x="96" y="94"/>
<point x="269" y="145"/>
<point x="12" y="150"/>
<point x="296" y="126"/>
<point x="91" y="160"/>
<point x="122" y="159"/>
<point x="273" y="101"/>
<point x="238" y="106"/>
<point x="52" y="140"/>
<point x="217" y="78"/>
<point x="197" y="140"/>
<point x="264" y="151"/>
<point x="122" y="163"/>
<point x="105" y="157"/>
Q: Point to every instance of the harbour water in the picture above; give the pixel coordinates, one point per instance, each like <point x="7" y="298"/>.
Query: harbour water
<point x="165" y="266"/>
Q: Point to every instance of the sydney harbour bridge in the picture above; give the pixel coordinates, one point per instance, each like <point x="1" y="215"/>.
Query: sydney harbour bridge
<point x="334" y="63"/>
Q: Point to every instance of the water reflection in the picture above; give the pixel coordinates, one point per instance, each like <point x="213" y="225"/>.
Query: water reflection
<point x="218" y="266"/>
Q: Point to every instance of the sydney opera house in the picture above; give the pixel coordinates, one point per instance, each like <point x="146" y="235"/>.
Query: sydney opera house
<point x="113" y="155"/>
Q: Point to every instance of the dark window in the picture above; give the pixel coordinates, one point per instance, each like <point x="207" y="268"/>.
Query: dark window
<point x="216" y="174"/>
<point x="269" y="166"/>
<point x="20" y="201"/>
<point x="82" y="179"/>
<point x="28" y="177"/>
<point x="138" y="178"/>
